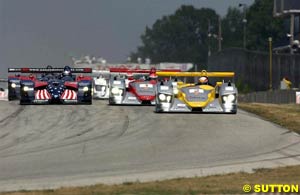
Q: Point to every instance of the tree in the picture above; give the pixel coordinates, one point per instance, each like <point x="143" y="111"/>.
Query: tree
<point x="261" y="25"/>
<point x="181" y="37"/>
<point x="232" y="28"/>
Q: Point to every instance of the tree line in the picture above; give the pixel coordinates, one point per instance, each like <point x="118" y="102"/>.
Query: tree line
<point x="189" y="33"/>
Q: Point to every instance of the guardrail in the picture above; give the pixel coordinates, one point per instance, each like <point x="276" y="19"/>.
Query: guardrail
<point x="274" y="97"/>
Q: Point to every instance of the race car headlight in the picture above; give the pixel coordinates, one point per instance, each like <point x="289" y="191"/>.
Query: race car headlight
<point x="162" y="97"/>
<point x="228" y="98"/>
<point x="25" y="88"/>
<point x="231" y="98"/>
<point x="169" y="98"/>
<point x="115" y="90"/>
<point x="85" y="89"/>
<point x="103" y="88"/>
<point x="120" y="91"/>
<point x="175" y="91"/>
<point x="165" y="98"/>
<point x="13" y="85"/>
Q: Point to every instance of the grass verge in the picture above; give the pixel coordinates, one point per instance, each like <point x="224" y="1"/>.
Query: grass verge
<point x="218" y="184"/>
<point x="284" y="115"/>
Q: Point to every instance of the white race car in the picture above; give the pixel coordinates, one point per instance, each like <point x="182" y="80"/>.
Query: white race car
<point x="101" y="87"/>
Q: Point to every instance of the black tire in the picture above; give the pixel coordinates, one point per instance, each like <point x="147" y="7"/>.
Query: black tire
<point x="24" y="102"/>
<point x="110" y="102"/>
<point x="157" y="110"/>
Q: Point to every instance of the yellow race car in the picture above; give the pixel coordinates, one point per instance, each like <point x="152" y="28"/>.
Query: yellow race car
<point x="196" y="97"/>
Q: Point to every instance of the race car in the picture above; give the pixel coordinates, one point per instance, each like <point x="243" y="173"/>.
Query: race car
<point x="13" y="87"/>
<point x="51" y="88"/>
<point x="101" y="86"/>
<point x="136" y="87"/>
<point x="3" y="89"/>
<point x="197" y="97"/>
<point x="14" y="83"/>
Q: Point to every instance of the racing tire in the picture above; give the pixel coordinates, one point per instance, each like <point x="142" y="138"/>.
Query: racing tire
<point x="89" y="103"/>
<point x="233" y="112"/>
<point x="157" y="110"/>
<point x="110" y="102"/>
<point x="24" y="102"/>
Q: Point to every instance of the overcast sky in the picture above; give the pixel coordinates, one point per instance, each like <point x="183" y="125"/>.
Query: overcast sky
<point x="39" y="32"/>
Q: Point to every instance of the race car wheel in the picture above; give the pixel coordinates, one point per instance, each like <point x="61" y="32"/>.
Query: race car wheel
<point x="157" y="110"/>
<point x="22" y="102"/>
<point x="110" y="102"/>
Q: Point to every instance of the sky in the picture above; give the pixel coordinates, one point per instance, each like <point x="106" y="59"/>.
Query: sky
<point x="36" y="33"/>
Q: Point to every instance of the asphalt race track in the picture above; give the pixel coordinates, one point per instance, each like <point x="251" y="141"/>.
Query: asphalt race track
<point x="68" y="145"/>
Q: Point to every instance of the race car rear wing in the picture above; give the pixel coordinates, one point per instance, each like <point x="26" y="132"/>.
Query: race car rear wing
<point x="49" y="70"/>
<point x="125" y="71"/>
<point x="3" y="80"/>
<point x="196" y="74"/>
<point x="122" y="71"/>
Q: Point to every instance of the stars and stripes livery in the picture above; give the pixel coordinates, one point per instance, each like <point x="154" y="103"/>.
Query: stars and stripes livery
<point x="42" y="95"/>
<point x="51" y="88"/>
<point x="69" y="95"/>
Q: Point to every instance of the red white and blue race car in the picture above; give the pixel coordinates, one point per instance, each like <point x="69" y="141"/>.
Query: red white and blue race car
<point x="54" y="88"/>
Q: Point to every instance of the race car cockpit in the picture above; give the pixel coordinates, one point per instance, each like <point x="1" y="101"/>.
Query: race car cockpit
<point x="203" y="81"/>
<point x="47" y="76"/>
<point x="67" y="74"/>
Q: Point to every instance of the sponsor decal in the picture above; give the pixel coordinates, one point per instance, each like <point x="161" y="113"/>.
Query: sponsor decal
<point x="40" y="101"/>
<point x="132" y="98"/>
<point x="71" y="101"/>
<point x="229" y="89"/>
<point x="211" y="109"/>
<point x="117" y="82"/>
<point x="181" y="105"/>
<point x="164" y="88"/>
<point x="27" y="83"/>
<point x="144" y="85"/>
<point x="196" y="91"/>
<point x="83" y="84"/>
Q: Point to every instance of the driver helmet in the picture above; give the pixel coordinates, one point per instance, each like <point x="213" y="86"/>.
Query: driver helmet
<point x="130" y="76"/>
<point x="153" y="76"/>
<point x="99" y="76"/>
<point x="67" y="71"/>
<point x="152" y="70"/>
<point x="203" y="80"/>
<point x="31" y="76"/>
